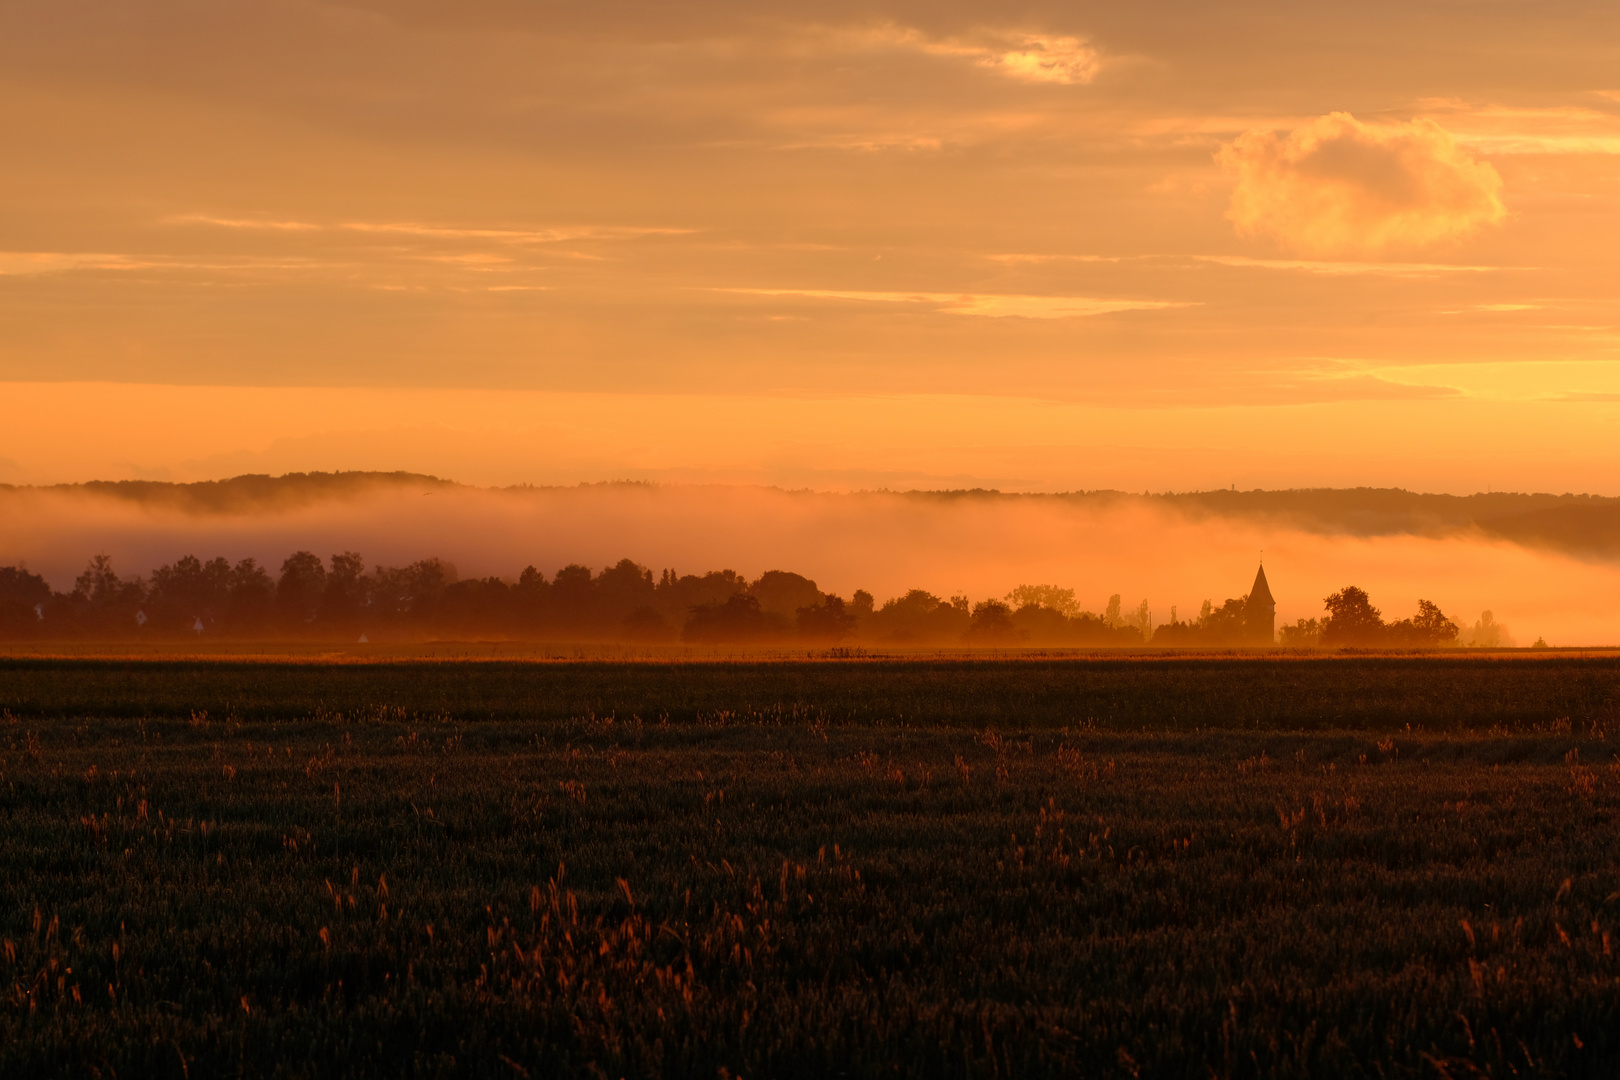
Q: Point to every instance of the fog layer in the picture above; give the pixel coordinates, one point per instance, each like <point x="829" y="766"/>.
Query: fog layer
<point x="977" y="544"/>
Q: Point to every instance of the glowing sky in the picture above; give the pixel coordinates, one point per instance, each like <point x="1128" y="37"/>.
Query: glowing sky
<point x="1037" y="246"/>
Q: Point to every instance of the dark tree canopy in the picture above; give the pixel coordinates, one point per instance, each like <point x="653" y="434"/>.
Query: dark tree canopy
<point x="991" y="624"/>
<point x="737" y="620"/>
<point x="345" y="598"/>
<point x="1352" y="620"/>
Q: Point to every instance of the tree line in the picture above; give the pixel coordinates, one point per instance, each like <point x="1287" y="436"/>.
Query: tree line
<point x="339" y="598"/>
<point x="1351" y="620"/>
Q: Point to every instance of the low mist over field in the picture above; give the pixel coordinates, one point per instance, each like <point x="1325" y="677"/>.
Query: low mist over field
<point x="1545" y="566"/>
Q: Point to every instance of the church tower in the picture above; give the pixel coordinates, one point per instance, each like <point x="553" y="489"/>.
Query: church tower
<point x="1260" y="614"/>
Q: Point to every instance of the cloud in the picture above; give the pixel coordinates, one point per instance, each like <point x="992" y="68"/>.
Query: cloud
<point x="1337" y="186"/>
<point x="1014" y="258"/>
<point x="33" y="263"/>
<point x="28" y="263"/>
<point x="1364" y="387"/>
<point x="1063" y="60"/>
<point x="1332" y="267"/>
<point x="1500" y="129"/>
<point x="267" y="224"/>
<point x="993" y="305"/>
<point x="1340" y="268"/>
<point x="441" y="232"/>
<point x="1046" y="307"/>
<point x="1026" y="56"/>
<point x="1583" y="397"/>
<point x="521" y="236"/>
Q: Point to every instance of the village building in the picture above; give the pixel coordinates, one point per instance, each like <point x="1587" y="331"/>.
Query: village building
<point x="1260" y="613"/>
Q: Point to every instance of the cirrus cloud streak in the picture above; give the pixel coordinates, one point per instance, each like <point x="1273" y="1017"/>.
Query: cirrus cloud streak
<point x="994" y="305"/>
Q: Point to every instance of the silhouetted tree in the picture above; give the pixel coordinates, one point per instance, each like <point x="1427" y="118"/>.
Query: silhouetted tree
<point x="1040" y="624"/>
<point x="477" y="607"/>
<point x="104" y="603"/>
<point x="250" y="598"/>
<point x="23" y="597"/>
<point x="1141" y="620"/>
<point x="344" y="599"/>
<point x="1304" y="634"/>
<point x="1487" y="633"/>
<point x="572" y="605"/>
<point x="781" y="592"/>
<point x="827" y="623"/>
<point x="1215" y="627"/>
<point x="676" y="596"/>
<point x="530" y="598"/>
<point x="1352" y="620"/>
<point x="620" y="589"/>
<point x="920" y="617"/>
<point x="299" y="589"/>
<point x="1432" y="622"/>
<point x="991" y="624"/>
<point x="645" y="624"/>
<point x="1177" y="634"/>
<point x="1059" y="600"/>
<point x="1227" y="624"/>
<point x="1429" y="628"/>
<point x="409" y="593"/>
<point x="99" y="583"/>
<point x="188" y="594"/>
<point x="737" y="620"/>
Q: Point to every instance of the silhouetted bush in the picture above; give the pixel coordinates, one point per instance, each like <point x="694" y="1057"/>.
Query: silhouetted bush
<point x="645" y="624"/>
<point x="737" y="620"/>
<point x="827" y="623"/>
<point x="23" y="597"/>
<point x="991" y="624"/>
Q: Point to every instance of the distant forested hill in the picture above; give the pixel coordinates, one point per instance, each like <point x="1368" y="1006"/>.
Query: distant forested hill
<point x="1586" y="526"/>
<point x="1583" y="525"/>
<point x="246" y="494"/>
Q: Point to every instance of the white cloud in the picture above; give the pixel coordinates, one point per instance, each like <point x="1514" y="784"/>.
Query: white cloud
<point x="1337" y="185"/>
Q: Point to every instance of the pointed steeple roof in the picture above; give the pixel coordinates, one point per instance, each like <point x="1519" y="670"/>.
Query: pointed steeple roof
<point x="1260" y="593"/>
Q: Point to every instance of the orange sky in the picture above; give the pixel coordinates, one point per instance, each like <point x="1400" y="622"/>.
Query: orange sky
<point x="839" y="245"/>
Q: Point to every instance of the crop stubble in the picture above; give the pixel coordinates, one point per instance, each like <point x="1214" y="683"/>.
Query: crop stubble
<point x="810" y="870"/>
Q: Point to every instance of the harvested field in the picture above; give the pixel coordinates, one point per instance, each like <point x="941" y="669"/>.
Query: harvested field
<point x="948" y="869"/>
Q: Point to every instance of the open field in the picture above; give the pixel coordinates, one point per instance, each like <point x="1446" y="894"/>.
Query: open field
<point x="1443" y="692"/>
<point x="1346" y="867"/>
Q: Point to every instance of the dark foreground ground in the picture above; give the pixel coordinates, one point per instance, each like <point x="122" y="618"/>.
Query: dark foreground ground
<point x="811" y="870"/>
